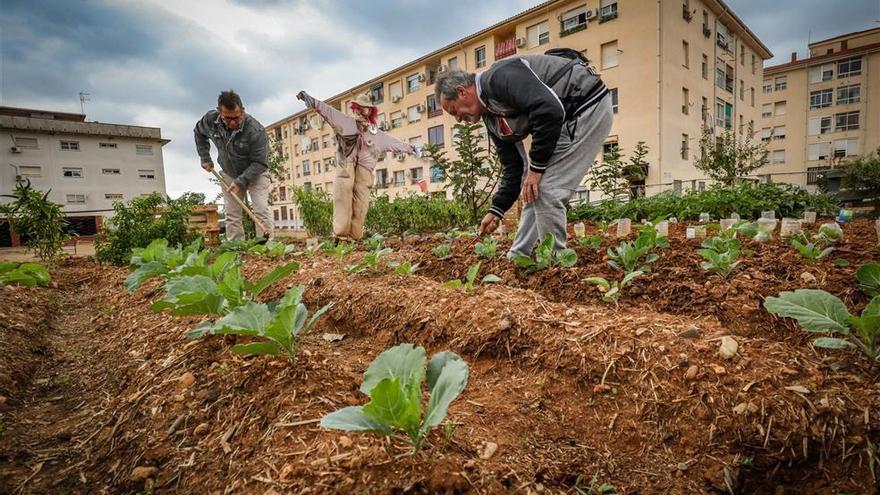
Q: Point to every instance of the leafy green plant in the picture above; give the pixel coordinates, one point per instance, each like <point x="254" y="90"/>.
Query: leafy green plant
<point x="272" y="249"/>
<point x="159" y="259"/>
<point x="545" y="257"/>
<point x="868" y="276"/>
<point x="637" y="255"/>
<point x="343" y="249"/>
<point x="810" y="248"/>
<point x="26" y="274"/>
<point x="442" y="251"/>
<point x="487" y="248"/>
<point x="611" y="291"/>
<point x="375" y="242"/>
<point x="471" y="277"/>
<point x="818" y="311"/>
<point x="237" y="245"/>
<point x="591" y="241"/>
<point x="281" y="325"/>
<point x="721" y="255"/>
<point x="829" y="233"/>
<point x="370" y="261"/>
<point x="38" y="221"/>
<point x="406" y="268"/>
<point x="394" y="384"/>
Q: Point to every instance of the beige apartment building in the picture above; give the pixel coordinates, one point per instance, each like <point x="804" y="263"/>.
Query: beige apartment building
<point x="673" y="65"/>
<point x="824" y="109"/>
<point x="87" y="165"/>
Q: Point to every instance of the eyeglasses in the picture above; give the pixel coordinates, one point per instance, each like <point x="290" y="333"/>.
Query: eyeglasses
<point x="231" y="119"/>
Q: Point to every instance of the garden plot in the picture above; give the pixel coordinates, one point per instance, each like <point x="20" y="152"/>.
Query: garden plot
<point x="565" y="394"/>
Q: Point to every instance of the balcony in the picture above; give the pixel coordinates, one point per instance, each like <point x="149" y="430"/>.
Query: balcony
<point x="505" y="47"/>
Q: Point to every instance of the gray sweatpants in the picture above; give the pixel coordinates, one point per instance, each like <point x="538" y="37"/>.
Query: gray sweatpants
<point x="567" y="167"/>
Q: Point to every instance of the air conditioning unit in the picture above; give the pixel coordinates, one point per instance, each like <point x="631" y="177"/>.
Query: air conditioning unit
<point x="332" y="161"/>
<point x="395" y="99"/>
<point x="591" y="13"/>
<point x="421" y="77"/>
<point x="15" y="149"/>
<point x="520" y="42"/>
<point x="420" y="108"/>
<point x="400" y="156"/>
<point x="442" y="68"/>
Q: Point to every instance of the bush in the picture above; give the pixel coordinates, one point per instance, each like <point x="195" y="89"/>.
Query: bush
<point x="316" y="210"/>
<point x="863" y="174"/>
<point x="38" y="221"/>
<point x="747" y="199"/>
<point x="137" y="224"/>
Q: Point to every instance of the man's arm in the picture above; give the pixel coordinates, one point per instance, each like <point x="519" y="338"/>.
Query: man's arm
<point x="517" y="85"/>
<point x="341" y="123"/>
<point x="259" y="159"/>
<point x="203" y="145"/>
<point x="511" y="156"/>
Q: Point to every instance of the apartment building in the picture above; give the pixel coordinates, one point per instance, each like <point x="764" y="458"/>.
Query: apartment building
<point x="821" y="110"/>
<point x="86" y="165"/>
<point x="673" y="66"/>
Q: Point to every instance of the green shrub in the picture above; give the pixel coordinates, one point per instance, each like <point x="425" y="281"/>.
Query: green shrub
<point x="38" y="221"/>
<point x="315" y="209"/>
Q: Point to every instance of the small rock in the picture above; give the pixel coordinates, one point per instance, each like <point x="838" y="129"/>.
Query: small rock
<point x="345" y="442"/>
<point x="201" y="429"/>
<point x="601" y="388"/>
<point x="682" y="466"/>
<point x="682" y="359"/>
<point x="808" y="278"/>
<point x="186" y="380"/>
<point x="691" y="372"/>
<point x="728" y="347"/>
<point x="488" y="450"/>
<point x="690" y="333"/>
<point x="745" y="407"/>
<point x="141" y="473"/>
<point x="719" y="370"/>
<point x="333" y="337"/>
<point x="641" y="331"/>
<point x="504" y="324"/>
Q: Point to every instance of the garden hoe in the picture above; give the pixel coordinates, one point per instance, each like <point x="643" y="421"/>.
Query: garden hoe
<point x="242" y="204"/>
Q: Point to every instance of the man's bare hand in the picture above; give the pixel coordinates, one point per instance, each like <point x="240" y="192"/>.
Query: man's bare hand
<point x="208" y="166"/>
<point x="530" y="188"/>
<point x="489" y="224"/>
<point x="234" y="189"/>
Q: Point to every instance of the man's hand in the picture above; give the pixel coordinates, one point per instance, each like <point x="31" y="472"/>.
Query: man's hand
<point x="234" y="189"/>
<point x="208" y="166"/>
<point x="489" y="224"/>
<point x="530" y="189"/>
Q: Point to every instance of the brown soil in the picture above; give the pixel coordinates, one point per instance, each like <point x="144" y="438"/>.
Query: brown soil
<point x="570" y="389"/>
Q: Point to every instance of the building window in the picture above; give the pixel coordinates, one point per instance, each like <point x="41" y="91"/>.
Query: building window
<point x="847" y="121"/>
<point x="684" y="147"/>
<point x="325" y="141"/>
<point x="328" y="163"/>
<point x="307" y="186"/>
<point x="72" y="172"/>
<point x="779" y="132"/>
<point x="768" y="86"/>
<point x="614" y="100"/>
<point x="307" y="168"/>
<point x="399" y="178"/>
<point x="107" y="145"/>
<point x="607" y="10"/>
<point x="480" y="56"/>
<point x="778" y="157"/>
<point x="452" y="64"/>
<point x="818" y="151"/>
<point x="377" y="93"/>
<point x="435" y="135"/>
<point x="754" y="64"/>
<point x="538" y="35"/>
<point x="723" y="114"/>
<point x="766" y="110"/>
<point x="813" y="174"/>
<point x="146" y="173"/>
<point x="413" y="83"/>
<point x="779" y="108"/>
<point x="396" y="120"/>
<point x="742" y="55"/>
<point x="26" y="143"/>
<point x="849" y="67"/>
<point x="765" y="134"/>
<point x="434" y="110"/>
<point x="819" y="125"/>
<point x="76" y="199"/>
<point x="704" y="111"/>
<point x="415" y="175"/>
<point x="436" y="174"/>
<point x="846" y="147"/>
<point x="396" y="91"/>
<point x="317" y="167"/>
<point x="143" y="149"/>
<point x="752" y="96"/>
<point x="573" y="21"/>
<point x="821" y="73"/>
<point x="30" y="170"/>
<point x="314" y="144"/>
<point x="742" y="91"/>
<point x="609" y="55"/>
<point x="704" y="67"/>
<point x="69" y="145"/>
<point x="413" y="114"/>
<point x="685" y="101"/>
<point x="686" y="55"/>
<point x="849" y="94"/>
<point x="113" y="196"/>
<point x="111" y="171"/>
<point x="821" y="98"/>
<point x="781" y="83"/>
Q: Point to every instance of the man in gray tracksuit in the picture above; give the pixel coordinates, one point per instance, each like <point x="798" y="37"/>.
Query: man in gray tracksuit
<point x="243" y="153"/>
<point x="563" y="105"/>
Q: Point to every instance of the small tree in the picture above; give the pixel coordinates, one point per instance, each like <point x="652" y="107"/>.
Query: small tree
<point x="38" y="221"/>
<point x="729" y="157"/>
<point x="863" y="174"/>
<point x="614" y="176"/>
<point x="474" y="175"/>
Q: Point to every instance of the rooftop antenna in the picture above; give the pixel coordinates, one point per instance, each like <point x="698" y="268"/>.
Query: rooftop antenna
<point x="83" y="98"/>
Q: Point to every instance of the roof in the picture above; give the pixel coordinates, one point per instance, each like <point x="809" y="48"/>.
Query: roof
<point x="542" y="6"/>
<point x="49" y="123"/>
<point x="844" y="36"/>
<point x="42" y="114"/>
<point x="825" y="56"/>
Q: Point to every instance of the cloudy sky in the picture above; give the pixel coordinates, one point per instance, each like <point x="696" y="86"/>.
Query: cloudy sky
<point x="162" y="63"/>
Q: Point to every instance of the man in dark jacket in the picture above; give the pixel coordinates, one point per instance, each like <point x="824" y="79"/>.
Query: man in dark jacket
<point x="243" y="153"/>
<point x="565" y="108"/>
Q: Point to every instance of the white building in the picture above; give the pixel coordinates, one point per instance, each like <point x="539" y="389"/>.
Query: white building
<point x="87" y="165"/>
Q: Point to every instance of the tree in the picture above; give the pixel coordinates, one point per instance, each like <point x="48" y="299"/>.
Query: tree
<point x="614" y="176"/>
<point x="728" y="157"/>
<point x="863" y="175"/>
<point x="474" y="175"/>
<point x="38" y="221"/>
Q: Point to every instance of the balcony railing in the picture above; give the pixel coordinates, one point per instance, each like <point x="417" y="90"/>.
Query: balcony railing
<point x="505" y="48"/>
